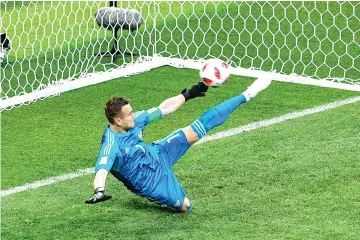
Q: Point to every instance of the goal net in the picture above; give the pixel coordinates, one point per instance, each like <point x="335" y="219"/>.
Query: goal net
<point x="53" y="45"/>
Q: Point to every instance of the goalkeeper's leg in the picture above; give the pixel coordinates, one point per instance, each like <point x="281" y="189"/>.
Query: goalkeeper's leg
<point x="220" y="113"/>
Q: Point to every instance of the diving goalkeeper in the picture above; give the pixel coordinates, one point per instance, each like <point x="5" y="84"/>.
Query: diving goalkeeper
<point x="146" y="169"/>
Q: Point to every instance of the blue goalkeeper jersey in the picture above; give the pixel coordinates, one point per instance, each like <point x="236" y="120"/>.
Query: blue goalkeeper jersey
<point x="129" y="159"/>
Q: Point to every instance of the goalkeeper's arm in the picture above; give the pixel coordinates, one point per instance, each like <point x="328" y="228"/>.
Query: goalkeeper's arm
<point x="172" y="104"/>
<point x="99" y="187"/>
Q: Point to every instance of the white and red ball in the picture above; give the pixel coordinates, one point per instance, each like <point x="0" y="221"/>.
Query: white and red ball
<point x="215" y="72"/>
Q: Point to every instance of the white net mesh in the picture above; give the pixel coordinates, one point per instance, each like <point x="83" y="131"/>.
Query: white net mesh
<point x="52" y="41"/>
<point x="314" y="39"/>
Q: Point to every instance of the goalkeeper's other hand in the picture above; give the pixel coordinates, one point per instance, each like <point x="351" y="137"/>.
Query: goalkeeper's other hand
<point x="198" y="90"/>
<point x="99" y="196"/>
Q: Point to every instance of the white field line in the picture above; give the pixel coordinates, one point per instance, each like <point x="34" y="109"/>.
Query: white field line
<point x="219" y="135"/>
<point x="46" y="182"/>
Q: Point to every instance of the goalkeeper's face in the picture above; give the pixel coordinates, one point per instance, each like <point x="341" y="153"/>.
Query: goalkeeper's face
<point x="126" y="118"/>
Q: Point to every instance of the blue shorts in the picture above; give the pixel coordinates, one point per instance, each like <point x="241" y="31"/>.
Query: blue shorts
<point x="169" y="191"/>
<point x="173" y="147"/>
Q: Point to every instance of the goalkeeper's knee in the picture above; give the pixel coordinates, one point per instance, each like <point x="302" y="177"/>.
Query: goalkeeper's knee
<point x="190" y="207"/>
<point x="187" y="206"/>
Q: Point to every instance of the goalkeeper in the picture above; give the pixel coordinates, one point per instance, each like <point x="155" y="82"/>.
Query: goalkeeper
<point x="146" y="169"/>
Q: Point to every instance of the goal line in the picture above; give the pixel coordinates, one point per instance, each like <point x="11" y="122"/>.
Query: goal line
<point x="144" y="64"/>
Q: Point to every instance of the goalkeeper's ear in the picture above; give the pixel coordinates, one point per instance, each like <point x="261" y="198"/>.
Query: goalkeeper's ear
<point x="197" y="90"/>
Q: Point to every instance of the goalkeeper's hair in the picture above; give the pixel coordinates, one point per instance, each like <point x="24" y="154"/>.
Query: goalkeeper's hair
<point x="114" y="106"/>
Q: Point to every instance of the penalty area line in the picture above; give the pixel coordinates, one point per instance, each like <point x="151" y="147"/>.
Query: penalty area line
<point x="219" y="135"/>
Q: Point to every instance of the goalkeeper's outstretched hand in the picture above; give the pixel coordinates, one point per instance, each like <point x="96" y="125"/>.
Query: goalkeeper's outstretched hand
<point x="99" y="196"/>
<point x="198" y="90"/>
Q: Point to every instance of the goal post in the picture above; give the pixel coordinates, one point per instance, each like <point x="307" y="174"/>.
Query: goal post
<point x="53" y="43"/>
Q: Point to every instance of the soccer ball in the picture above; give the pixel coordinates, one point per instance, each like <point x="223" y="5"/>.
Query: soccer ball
<point x="214" y="72"/>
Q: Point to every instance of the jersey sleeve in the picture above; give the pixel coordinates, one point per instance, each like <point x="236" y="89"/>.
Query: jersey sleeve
<point x="105" y="162"/>
<point x="149" y="116"/>
<point x="108" y="153"/>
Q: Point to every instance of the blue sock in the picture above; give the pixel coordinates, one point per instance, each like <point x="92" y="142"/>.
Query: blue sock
<point x="216" y="115"/>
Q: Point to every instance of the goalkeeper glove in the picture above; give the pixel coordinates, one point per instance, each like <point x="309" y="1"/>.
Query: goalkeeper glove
<point x="99" y="196"/>
<point x="198" y="90"/>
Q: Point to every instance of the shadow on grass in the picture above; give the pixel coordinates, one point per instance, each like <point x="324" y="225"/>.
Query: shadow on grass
<point x="148" y="206"/>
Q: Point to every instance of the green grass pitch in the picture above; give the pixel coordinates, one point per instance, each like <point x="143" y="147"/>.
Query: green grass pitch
<point x="294" y="180"/>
